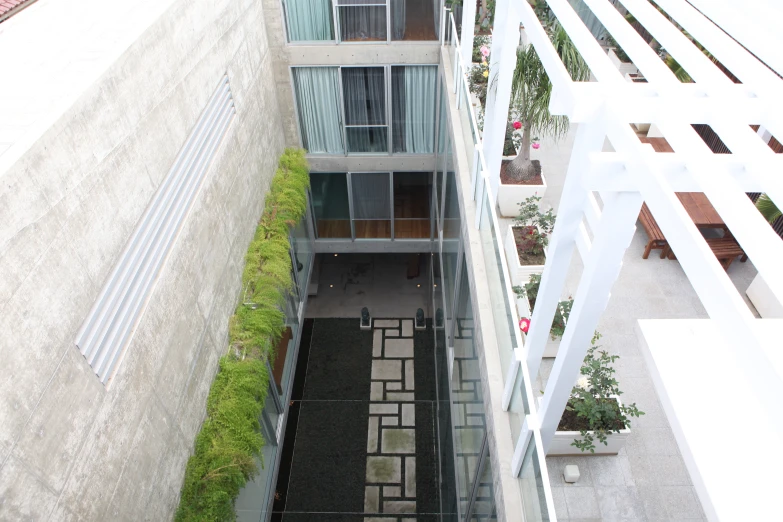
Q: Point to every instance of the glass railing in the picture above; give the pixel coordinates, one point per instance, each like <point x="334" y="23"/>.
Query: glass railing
<point x="533" y="479"/>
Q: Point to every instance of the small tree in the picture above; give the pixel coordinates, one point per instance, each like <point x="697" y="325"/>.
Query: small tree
<point x="531" y="91"/>
<point x="537" y="226"/>
<point x="592" y="399"/>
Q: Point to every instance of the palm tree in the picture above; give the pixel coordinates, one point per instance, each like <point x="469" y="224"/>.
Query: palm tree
<point x="531" y="91"/>
<point x="768" y="208"/>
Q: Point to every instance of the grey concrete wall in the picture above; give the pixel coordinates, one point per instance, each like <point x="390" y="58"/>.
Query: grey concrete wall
<point x="69" y="448"/>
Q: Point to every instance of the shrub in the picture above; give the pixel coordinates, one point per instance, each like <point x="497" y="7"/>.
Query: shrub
<point x="562" y="312"/>
<point x="230" y="439"/>
<point x="539" y="226"/>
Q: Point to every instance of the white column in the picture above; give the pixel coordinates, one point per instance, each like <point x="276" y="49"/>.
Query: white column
<point x="505" y="40"/>
<point x="618" y="223"/>
<point x="468" y="30"/>
<point x="589" y="138"/>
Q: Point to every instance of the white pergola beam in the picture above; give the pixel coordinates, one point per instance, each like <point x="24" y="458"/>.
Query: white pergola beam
<point x="711" y="283"/>
<point x="723" y="47"/>
<point x="609" y="171"/>
<point x="698" y="66"/>
<point x="760" y="242"/>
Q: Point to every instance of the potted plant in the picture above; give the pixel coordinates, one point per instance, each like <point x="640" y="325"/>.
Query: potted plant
<point x="512" y="142"/>
<point x="526" y="302"/>
<point x="595" y="421"/>
<point x="527" y="239"/>
<point x="531" y="91"/>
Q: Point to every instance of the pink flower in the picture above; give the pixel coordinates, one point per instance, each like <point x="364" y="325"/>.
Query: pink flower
<point x="517" y="125"/>
<point x="524" y="324"/>
<point x="484" y="50"/>
<point x="536" y="145"/>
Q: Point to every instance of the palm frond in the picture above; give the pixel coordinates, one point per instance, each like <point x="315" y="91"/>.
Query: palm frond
<point x="768" y="209"/>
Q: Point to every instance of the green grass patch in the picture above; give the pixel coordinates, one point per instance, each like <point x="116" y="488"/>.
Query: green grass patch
<point x="230" y="439"/>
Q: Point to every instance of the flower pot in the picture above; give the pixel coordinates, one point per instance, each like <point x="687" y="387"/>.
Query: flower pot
<point x="520" y="274"/>
<point x="510" y="196"/>
<point x="561" y="442"/>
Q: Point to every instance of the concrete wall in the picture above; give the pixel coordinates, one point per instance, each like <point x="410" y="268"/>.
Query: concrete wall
<point x="69" y="448"/>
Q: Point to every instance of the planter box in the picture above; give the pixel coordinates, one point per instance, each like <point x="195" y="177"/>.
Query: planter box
<point x="623" y="67"/>
<point x="510" y="196"/>
<point x="520" y="274"/>
<point x="760" y="294"/>
<point x="561" y="443"/>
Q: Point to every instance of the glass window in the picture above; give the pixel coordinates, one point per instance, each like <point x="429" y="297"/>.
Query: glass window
<point x="362" y="20"/>
<point x="371" y="205"/>
<point x="412" y="213"/>
<point x="309" y="20"/>
<point x="415" y="20"/>
<point x="364" y="98"/>
<point x="318" y="103"/>
<point x="413" y="108"/>
<point x="330" y="205"/>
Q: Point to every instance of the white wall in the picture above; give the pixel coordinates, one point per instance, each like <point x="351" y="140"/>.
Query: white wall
<point x="70" y="449"/>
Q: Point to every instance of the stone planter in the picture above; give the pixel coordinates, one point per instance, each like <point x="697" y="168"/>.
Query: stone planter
<point x="520" y="274"/>
<point x="510" y="196"/>
<point x="623" y="67"/>
<point x="561" y="442"/>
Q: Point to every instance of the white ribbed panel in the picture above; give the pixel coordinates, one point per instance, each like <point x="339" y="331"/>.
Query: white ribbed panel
<point x="109" y="325"/>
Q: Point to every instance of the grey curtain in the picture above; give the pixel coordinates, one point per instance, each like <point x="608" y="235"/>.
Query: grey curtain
<point x="443" y="121"/>
<point x="364" y="97"/>
<point x="371" y="193"/>
<point x="309" y="20"/>
<point x="437" y="6"/>
<point x="413" y="108"/>
<point x="362" y="22"/>
<point x="318" y="102"/>
<point x="398" y="19"/>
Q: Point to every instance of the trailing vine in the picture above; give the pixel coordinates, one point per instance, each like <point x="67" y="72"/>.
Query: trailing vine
<point x="230" y="440"/>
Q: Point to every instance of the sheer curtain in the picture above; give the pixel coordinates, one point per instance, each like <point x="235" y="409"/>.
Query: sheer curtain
<point x="398" y="19"/>
<point x="318" y="101"/>
<point x="371" y="196"/>
<point x="443" y="121"/>
<point x="366" y="21"/>
<point x="413" y="108"/>
<point x="364" y="96"/>
<point x="309" y="20"/>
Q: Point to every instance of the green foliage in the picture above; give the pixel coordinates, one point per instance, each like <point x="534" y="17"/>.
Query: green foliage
<point x="539" y="226"/>
<point x="478" y="41"/>
<point x="592" y="399"/>
<point x="768" y="209"/>
<point x="531" y="88"/>
<point x="478" y="80"/>
<point x="562" y="312"/>
<point x="230" y="439"/>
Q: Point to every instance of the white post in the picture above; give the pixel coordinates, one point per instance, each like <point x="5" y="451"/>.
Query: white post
<point x="618" y="224"/>
<point x="525" y="436"/>
<point x="589" y="138"/>
<point x="505" y="40"/>
<point x="468" y="30"/>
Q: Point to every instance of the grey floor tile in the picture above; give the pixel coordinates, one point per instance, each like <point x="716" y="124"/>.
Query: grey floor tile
<point x="669" y="470"/>
<point x="619" y="503"/>
<point x="641" y="470"/>
<point x="659" y="441"/>
<point x="606" y="471"/>
<point x="561" y="509"/>
<point x="652" y="501"/>
<point x="681" y="502"/>
<point x="556" y="465"/>
<point x="581" y="503"/>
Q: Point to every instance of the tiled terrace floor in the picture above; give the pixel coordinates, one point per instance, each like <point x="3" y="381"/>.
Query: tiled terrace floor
<point x="648" y="479"/>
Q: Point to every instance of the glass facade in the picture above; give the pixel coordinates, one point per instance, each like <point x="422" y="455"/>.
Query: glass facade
<point x="362" y="21"/>
<point x="367" y="110"/>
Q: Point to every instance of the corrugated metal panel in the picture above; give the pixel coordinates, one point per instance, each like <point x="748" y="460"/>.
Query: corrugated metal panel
<point x="108" y="327"/>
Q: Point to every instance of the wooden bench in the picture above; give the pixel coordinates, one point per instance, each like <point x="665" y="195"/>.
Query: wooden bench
<point x="726" y="249"/>
<point x="654" y="234"/>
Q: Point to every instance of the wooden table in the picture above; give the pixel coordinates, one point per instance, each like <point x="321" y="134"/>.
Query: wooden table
<point x="701" y="210"/>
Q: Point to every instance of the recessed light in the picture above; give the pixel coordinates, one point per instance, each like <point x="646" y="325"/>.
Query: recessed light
<point x="436" y="286"/>
<point x="335" y="255"/>
<point x="418" y="286"/>
<point x="331" y="286"/>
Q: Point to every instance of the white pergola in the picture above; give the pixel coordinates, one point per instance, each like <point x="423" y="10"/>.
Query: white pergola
<point x="633" y="174"/>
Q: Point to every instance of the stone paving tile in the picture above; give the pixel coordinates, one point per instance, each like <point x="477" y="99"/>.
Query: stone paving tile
<point x="620" y="503"/>
<point x="581" y="502"/>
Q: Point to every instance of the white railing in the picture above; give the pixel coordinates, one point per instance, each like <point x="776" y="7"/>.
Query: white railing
<point x="530" y="467"/>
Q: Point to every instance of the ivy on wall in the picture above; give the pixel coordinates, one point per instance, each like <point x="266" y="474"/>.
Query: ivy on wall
<point x="230" y="439"/>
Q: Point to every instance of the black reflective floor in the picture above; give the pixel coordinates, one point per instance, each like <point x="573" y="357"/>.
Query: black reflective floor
<point x="329" y="468"/>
